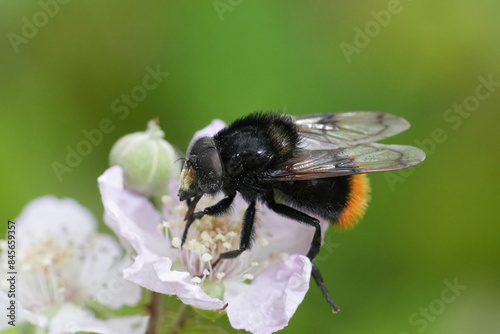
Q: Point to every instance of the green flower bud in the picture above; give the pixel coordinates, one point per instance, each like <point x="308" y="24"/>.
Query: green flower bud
<point x="147" y="160"/>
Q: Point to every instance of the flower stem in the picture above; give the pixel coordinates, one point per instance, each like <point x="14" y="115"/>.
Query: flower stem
<point x="154" y="308"/>
<point x="179" y="322"/>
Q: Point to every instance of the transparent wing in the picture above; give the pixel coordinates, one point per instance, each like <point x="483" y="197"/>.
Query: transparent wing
<point x="359" y="159"/>
<point x="332" y="131"/>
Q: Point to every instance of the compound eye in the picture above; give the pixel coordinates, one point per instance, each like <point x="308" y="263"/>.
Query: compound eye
<point x="205" y="160"/>
<point x="209" y="170"/>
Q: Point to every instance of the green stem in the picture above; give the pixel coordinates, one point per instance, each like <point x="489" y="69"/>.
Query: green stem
<point x="154" y="308"/>
<point x="179" y="322"/>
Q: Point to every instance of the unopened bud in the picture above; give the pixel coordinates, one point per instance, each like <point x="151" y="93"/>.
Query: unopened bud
<point x="147" y="160"/>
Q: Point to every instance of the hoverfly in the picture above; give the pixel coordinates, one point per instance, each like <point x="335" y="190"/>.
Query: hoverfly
<point x="315" y="163"/>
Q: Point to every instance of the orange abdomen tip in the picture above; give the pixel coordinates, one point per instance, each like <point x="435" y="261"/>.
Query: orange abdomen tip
<point x="357" y="201"/>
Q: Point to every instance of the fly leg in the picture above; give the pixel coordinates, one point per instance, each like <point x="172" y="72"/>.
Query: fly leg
<point x="301" y="217"/>
<point x="217" y="209"/>
<point x="247" y="233"/>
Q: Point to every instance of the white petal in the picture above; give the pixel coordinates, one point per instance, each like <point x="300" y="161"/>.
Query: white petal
<point x="266" y="305"/>
<point x="282" y="235"/>
<point x="50" y="217"/>
<point x="132" y="217"/>
<point x="72" y="319"/>
<point x="21" y="314"/>
<point x="103" y="276"/>
<point x="157" y="275"/>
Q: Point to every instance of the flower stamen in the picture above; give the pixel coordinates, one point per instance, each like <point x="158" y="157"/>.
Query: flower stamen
<point x="196" y="280"/>
<point x="220" y="275"/>
<point x="176" y="242"/>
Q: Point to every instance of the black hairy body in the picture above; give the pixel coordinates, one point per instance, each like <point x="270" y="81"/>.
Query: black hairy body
<point x="251" y="148"/>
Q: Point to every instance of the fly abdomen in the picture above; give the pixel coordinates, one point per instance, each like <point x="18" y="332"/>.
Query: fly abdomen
<point x="341" y="200"/>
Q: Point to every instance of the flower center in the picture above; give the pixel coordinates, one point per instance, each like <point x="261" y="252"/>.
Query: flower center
<point x="215" y="235"/>
<point x="206" y="240"/>
<point x="46" y="254"/>
<point x="47" y="274"/>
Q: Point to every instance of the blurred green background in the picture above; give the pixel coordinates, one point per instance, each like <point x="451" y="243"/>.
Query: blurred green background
<point x="224" y="59"/>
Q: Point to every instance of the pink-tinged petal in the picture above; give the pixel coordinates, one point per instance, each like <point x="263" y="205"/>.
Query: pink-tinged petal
<point x="50" y="217"/>
<point x="268" y="303"/>
<point x="210" y="130"/>
<point x="281" y="235"/>
<point x="72" y="319"/>
<point x="132" y="217"/>
<point x="157" y="275"/>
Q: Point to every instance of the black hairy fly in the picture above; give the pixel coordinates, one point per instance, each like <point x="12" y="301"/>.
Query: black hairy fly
<point x="314" y="162"/>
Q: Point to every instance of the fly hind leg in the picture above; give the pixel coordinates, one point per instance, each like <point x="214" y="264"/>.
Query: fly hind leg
<point x="301" y="217"/>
